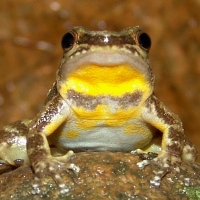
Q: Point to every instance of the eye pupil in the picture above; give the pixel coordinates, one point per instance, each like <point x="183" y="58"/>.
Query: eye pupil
<point x="144" y="41"/>
<point x="68" y="40"/>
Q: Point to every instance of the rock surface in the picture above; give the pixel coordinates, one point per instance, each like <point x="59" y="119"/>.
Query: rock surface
<point x="103" y="175"/>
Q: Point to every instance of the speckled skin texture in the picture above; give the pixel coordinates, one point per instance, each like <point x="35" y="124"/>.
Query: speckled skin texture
<point x="102" y="101"/>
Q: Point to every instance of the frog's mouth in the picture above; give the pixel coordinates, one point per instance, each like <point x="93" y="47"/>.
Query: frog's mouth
<point x="105" y="73"/>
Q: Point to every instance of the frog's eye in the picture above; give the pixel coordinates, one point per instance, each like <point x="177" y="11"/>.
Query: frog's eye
<point x="68" y="40"/>
<point x="144" y="41"/>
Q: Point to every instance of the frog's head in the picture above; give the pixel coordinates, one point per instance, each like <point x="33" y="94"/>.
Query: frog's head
<point x="100" y="64"/>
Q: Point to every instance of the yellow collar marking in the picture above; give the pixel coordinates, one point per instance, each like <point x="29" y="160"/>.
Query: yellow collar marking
<point x="106" y="80"/>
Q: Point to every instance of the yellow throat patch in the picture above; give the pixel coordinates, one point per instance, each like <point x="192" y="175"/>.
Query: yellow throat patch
<point x="96" y="81"/>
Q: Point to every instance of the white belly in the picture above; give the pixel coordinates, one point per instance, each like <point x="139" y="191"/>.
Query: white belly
<point x="104" y="138"/>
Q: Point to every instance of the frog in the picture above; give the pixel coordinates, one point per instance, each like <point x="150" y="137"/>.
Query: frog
<point x="102" y="100"/>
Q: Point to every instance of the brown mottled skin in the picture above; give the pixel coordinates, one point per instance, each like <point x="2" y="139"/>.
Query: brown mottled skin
<point x="125" y="101"/>
<point x="102" y="100"/>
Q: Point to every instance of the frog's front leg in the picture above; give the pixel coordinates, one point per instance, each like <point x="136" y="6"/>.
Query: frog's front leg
<point x="175" y="147"/>
<point x="46" y="122"/>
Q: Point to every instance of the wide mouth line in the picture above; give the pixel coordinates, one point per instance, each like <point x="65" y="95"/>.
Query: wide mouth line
<point x="107" y="58"/>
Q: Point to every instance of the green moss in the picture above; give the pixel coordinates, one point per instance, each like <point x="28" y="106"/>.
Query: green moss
<point x="193" y="192"/>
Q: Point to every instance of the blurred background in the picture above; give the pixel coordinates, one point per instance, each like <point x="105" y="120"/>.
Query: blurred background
<point x="30" y="51"/>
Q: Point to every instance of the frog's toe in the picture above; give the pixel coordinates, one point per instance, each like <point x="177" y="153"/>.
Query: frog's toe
<point x="51" y="166"/>
<point x="165" y="168"/>
<point x="166" y="162"/>
<point x="4" y="167"/>
<point x="155" y="182"/>
<point x="144" y="155"/>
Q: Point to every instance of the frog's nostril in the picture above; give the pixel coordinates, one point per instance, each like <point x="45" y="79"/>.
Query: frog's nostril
<point x="144" y="41"/>
<point x="68" y="40"/>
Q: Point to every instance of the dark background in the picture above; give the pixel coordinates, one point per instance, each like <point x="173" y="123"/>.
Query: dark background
<point x="30" y="51"/>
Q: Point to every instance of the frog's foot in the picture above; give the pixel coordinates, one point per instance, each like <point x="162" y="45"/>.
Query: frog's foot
<point x="6" y="167"/>
<point x="165" y="161"/>
<point x="51" y="165"/>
